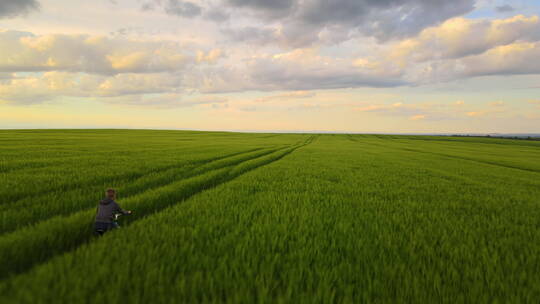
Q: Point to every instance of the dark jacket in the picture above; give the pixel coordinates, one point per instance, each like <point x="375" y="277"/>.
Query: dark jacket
<point x="107" y="209"/>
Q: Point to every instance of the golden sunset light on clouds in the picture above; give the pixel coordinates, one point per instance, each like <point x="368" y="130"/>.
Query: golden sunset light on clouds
<point x="406" y="66"/>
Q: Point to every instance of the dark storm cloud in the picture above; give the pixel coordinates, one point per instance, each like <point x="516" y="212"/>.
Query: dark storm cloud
<point x="217" y="15"/>
<point x="263" y="4"/>
<point x="251" y="34"/>
<point x="384" y="19"/>
<point x="303" y="20"/>
<point x="504" y="8"/>
<point x="174" y="7"/>
<point x="12" y="8"/>
<point x="148" y="6"/>
<point x="182" y="8"/>
<point x="300" y="23"/>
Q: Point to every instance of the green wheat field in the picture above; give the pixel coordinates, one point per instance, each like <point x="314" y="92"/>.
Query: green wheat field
<point x="269" y="218"/>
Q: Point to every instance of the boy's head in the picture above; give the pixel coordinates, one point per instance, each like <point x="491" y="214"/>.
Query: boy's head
<point x="111" y="193"/>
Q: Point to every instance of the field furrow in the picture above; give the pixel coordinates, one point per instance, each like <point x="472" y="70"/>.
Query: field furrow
<point x="476" y="160"/>
<point x="480" y="158"/>
<point x="29" y="211"/>
<point x="470" y="173"/>
<point x="61" y="234"/>
<point x="60" y="184"/>
<point x="126" y="159"/>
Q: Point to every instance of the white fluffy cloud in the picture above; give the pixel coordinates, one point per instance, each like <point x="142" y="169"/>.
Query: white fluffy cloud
<point x="460" y="37"/>
<point x="148" y="90"/>
<point x="516" y="58"/>
<point x="47" y="86"/>
<point x="461" y="48"/>
<point x="25" y="52"/>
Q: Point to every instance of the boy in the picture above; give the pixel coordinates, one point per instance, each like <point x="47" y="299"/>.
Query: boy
<point x="106" y="211"/>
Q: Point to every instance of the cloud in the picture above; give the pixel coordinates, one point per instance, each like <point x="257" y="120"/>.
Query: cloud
<point x="504" y="8"/>
<point x="128" y="84"/>
<point x="413" y="111"/>
<point x="287" y="96"/>
<point x="26" y="52"/>
<point x="13" y="8"/>
<point x="167" y="101"/>
<point x="182" y="8"/>
<point x="35" y="89"/>
<point x="486" y="112"/>
<point x="462" y="48"/>
<point x="300" y="23"/>
<point x="54" y="85"/>
<point x="211" y="57"/>
<point x="251" y="34"/>
<point x="216" y="14"/>
<point x="178" y="8"/>
<point x="535" y="102"/>
<point x="98" y="66"/>
<point x="384" y="19"/>
<point x="160" y="90"/>
<point x="4" y="76"/>
<point x="497" y="104"/>
<point x="148" y="6"/>
<point x="263" y="5"/>
<point x="460" y="37"/>
<point x="432" y="111"/>
<point x="35" y="67"/>
<point x="476" y="113"/>
<point x="301" y="69"/>
<point x="417" y="117"/>
<point x="298" y="36"/>
<point x="512" y="59"/>
<point x="383" y="107"/>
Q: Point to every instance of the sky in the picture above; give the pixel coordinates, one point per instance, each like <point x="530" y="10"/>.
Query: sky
<point x="366" y="66"/>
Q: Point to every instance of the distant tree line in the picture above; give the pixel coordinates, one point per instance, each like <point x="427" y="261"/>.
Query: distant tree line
<point x="498" y="136"/>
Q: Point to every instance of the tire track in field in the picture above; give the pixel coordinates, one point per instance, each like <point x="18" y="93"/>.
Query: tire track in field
<point x="40" y="163"/>
<point x="126" y="177"/>
<point x="134" y="188"/>
<point x="454" y="157"/>
<point x="131" y="178"/>
<point x="12" y="216"/>
<point x="35" y="164"/>
<point x="201" y="183"/>
<point x="9" y="166"/>
<point x="25" y="248"/>
<point x="30" y="201"/>
<point x="443" y="174"/>
<point x="522" y="143"/>
<point x="473" y="160"/>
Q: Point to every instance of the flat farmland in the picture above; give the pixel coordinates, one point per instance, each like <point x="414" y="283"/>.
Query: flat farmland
<point x="265" y="218"/>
